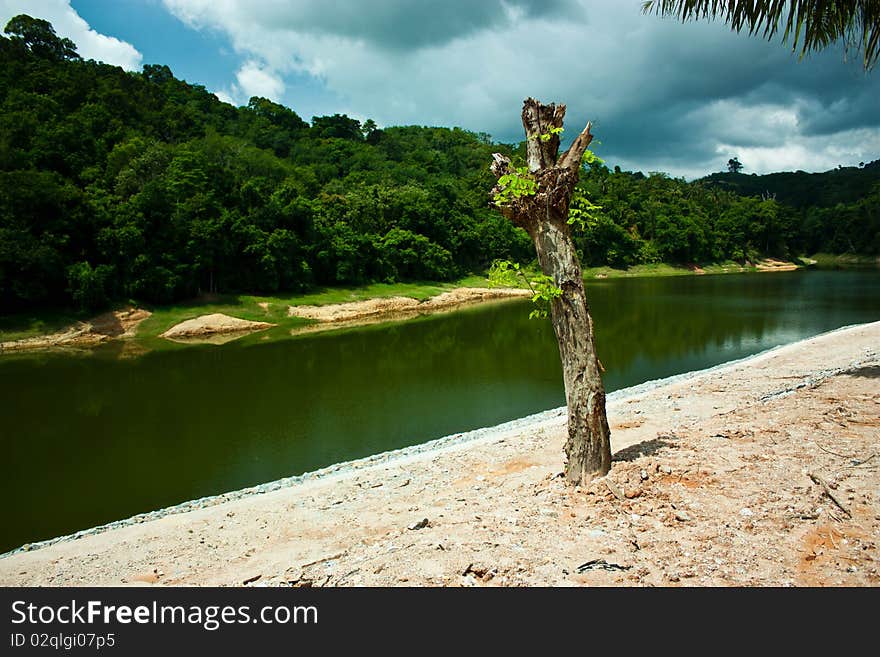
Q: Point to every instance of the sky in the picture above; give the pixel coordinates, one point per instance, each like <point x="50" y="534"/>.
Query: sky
<point x="662" y="95"/>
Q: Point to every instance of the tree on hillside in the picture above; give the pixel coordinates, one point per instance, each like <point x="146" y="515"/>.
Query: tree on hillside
<point x="734" y="165"/>
<point x="812" y="25"/>
<point x="38" y="36"/>
<point x="537" y="198"/>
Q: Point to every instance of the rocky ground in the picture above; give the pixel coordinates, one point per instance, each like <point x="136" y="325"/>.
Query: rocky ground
<point x="764" y="472"/>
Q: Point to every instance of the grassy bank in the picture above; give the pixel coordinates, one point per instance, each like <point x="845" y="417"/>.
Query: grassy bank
<point x="663" y="269"/>
<point x="273" y="309"/>
<point x="256" y="308"/>
<point x="844" y="261"/>
<point x="37" y="322"/>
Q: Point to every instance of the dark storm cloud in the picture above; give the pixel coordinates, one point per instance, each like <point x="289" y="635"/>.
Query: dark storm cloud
<point x="722" y="88"/>
<point x="404" y="24"/>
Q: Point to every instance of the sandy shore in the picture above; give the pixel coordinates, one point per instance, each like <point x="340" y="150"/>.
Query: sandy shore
<point x="216" y="324"/>
<point x="387" y="308"/>
<point x="759" y="472"/>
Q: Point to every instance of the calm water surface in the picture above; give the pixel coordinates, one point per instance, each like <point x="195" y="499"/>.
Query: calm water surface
<point x="88" y="440"/>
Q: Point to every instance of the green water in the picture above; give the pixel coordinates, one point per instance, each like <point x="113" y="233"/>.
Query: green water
<point x="87" y="440"/>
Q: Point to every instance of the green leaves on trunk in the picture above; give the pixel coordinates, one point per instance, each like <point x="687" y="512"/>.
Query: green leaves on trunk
<point x="582" y="212"/>
<point x="516" y="185"/>
<point x="504" y="273"/>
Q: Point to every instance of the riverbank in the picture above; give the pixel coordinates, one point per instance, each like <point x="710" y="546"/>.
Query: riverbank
<point x="211" y="317"/>
<point x="758" y="472"/>
<point x="47" y="330"/>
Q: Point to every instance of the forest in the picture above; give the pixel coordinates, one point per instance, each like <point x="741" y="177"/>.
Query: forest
<point x="117" y="185"/>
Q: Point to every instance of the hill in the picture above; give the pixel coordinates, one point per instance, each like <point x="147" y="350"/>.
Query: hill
<point x="117" y="185"/>
<point x="801" y="189"/>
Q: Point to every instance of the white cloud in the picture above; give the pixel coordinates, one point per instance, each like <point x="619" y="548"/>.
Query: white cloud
<point x="67" y="23"/>
<point x="812" y="153"/>
<point x="253" y="79"/>
<point x="226" y="97"/>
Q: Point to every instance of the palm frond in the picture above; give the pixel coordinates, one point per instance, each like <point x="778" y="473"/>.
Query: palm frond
<point x="809" y="25"/>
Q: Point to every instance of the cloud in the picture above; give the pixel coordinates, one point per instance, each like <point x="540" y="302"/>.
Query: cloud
<point x="253" y="79"/>
<point x="67" y="23"/>
<point x="664" y="95"/>
<point x="809" y="152"/>
<point x="386" y="24"/>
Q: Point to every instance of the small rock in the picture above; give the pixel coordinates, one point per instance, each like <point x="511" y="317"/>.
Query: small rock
<point x="665" y="469"/>
<point x="421" y="524"/>
<point x="643" y="475"/>
<point x="681" y="516"/>
<point x="631" y="493"/>
<point x="746" y="513"/>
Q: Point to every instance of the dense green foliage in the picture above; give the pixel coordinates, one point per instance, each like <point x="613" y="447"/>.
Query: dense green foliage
<point x="118" y="185"/>
<point x="656" y="218"/>
<point x="799" y="189"/>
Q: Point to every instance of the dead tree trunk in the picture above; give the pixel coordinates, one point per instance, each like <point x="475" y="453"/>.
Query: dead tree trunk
<point x="544" y="216"/>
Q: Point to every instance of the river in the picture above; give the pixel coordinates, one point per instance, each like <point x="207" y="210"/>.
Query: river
<point x="91" y="439"/>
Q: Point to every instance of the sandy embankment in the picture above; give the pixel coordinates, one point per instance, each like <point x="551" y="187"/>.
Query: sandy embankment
<point x="401" y="307"/>
<point x="770" y="264"/>
<point x="721" y="477"/>
<point x="110" y="325"/>
<point x="209" y="327"/>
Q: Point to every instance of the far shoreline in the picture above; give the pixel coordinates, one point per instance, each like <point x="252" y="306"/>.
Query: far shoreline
<point x="133" y="325"/>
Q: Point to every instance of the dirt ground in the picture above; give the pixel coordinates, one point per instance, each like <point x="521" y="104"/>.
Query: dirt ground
<point x="764" y="472"/>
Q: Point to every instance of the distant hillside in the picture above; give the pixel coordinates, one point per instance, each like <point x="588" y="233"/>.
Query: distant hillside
<point x="801" y="189"/>
<point x="118" y="185"/>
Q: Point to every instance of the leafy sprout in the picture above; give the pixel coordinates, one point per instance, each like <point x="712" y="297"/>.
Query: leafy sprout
<point x="552" y="131"/>
<point x="504" y="273"/>
<point x="515" y="185"/>
<point x="582" y="211"/>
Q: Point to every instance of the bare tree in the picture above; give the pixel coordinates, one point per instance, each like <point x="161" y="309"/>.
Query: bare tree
<point x="542" y="209"/>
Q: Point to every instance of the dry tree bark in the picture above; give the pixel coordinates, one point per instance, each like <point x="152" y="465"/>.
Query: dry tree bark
<point x="544" y="216"/>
